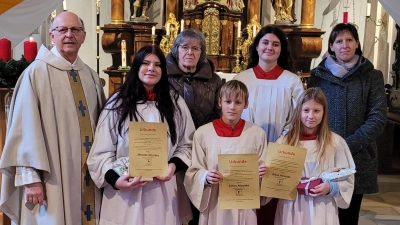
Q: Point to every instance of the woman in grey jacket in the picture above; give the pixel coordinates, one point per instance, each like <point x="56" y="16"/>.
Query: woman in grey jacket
<point x="357" y="108"/>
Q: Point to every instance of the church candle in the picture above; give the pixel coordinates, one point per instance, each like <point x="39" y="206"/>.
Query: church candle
<point x="153" y="30"/>
<point x="182" y="25"/>
<point x="239" y="28"/>
<point x="5" y="49"/>
<point x="123" y="53"/>
<point x="345" y="17"/>
<point x="167" y="29"/>
<point x="368" y="9"/>
<point x="254" y="31"/>
<point x="30" y="49"/>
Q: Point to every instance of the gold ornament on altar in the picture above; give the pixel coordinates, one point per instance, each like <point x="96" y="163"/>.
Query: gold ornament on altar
<point x="172" y="27"/>
<point x="252" y="29"/>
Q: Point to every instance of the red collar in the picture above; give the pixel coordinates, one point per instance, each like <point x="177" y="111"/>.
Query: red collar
<point x="151" y="96"/>
<point x="307" y="137"/>
<point x="270" y="75"/>
<point x="224" y="130"/>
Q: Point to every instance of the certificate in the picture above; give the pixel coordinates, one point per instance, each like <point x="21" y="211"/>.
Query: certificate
<point x="239" y="187"/>
<point x="148" y="149"/>
<point x="285" y="164"/>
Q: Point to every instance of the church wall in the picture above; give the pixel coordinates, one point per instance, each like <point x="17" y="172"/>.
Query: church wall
<point x="379" y="53"/>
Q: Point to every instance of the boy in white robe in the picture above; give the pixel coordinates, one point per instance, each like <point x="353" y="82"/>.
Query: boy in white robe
<point x="228" y="135"/>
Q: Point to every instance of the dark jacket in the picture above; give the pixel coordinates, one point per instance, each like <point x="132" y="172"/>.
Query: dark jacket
<point x="200" y="90"/>
<point x="357" y="112"/>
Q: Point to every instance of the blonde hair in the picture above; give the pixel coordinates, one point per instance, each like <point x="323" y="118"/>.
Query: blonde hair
<point x="324" y="135"/>
<point x="235" y="88"/>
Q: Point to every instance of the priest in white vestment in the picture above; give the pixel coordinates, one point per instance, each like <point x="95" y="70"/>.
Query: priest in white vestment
<point x="43" y="152"/>
<point x="227" y="135"/>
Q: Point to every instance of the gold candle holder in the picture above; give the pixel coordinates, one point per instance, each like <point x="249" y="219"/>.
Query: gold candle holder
<point x="237" y="68"/>
<point x="153" y="38"/>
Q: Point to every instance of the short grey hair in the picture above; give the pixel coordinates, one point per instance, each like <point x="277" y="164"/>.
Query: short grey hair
<point x="52" y="21"/>
<point x="189" y="34"/>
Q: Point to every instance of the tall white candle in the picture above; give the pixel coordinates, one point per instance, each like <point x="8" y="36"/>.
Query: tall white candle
<point x="182" y="25"/>
<point x="239" y="34"/>
<point x="123" y="53"/>
<point x="153" y="30"/>
<point x="65" y="5"/>
<point x="254" y="31"/>
<point x="368" y="9"/>
<point x="167" y="29"/>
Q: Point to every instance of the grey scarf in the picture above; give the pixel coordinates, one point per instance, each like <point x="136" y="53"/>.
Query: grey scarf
<point x="340" y="69"/>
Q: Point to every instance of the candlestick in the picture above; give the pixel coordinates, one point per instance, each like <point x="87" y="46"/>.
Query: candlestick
<point x="239" y="34"/>
<point x="368" y="9"/>
<point x="237" y="68"/>
<point x="5" y="49"/>
<point x="123" y="53"/>
<point x="153" y="30"/>
<point x="345" y="17"/>
<point x="30" y="49"/>
<point x="182" y="25"/>
<point x="254" y="31"/>
<point x="153" y="38"/>
<point x="167" y="29"/>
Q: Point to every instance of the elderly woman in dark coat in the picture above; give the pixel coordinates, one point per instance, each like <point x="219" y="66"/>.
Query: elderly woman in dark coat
<point x="193" y="76"/>
<point x="357" y="108"/>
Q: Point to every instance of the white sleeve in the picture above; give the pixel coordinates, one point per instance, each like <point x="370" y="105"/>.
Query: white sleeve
<point x="26" y="175"/>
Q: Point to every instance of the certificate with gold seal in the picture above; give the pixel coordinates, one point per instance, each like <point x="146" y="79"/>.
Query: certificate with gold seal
<point x="239" y="187"/>
<point x="285" y="164"/>
<point x="148" y="149"/>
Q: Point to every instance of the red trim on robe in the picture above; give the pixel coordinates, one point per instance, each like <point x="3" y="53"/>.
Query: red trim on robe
<point x="308" y="137"/>
<point x="270" y="75"/>
<point x="224" y="130"/>
<point x="151" y="96"/>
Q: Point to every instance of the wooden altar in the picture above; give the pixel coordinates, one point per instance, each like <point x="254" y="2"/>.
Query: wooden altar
<point x="219" y="25"/>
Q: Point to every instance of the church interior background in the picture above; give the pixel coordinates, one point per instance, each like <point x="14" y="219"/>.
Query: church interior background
<point x="109" y="22"/>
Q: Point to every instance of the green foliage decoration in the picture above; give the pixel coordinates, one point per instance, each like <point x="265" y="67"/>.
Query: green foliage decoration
<point x="11" y="70"/>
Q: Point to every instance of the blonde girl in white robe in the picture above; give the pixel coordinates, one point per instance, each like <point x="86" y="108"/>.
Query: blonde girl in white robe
<point x="325" y="151"/>
<point x="145" y="96"/>
<point x="228" y="135"/>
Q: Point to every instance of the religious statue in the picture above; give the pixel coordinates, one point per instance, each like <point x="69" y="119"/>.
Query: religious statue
<point x="235" y="5"/>
<point x="138" y="6"/>
<point x="284" y="10"/>
<point x="189" y="4"/>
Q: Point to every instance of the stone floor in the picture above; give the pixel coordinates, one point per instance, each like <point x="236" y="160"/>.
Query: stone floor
<point x="382" y="208"/>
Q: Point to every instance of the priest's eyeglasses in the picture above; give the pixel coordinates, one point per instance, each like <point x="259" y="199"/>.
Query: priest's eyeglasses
<point x="64" y="30"/>
<point x="186" y="48"/>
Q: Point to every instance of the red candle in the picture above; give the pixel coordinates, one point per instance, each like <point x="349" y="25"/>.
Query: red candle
<point x="30" y="49"/>
<point x="345" y="17"/>
<point x="5" y="49"/>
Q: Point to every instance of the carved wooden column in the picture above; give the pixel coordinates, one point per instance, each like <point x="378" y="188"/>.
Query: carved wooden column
<point x="307" y="13"/>
<point x="117" y="11"/>
<point x="305" y="42"/>
<point x="172" y="7"/>
<point x="253" y="8"/>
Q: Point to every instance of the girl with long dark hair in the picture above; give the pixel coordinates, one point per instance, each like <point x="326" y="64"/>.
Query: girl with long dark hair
<point x="146" y="96"/>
